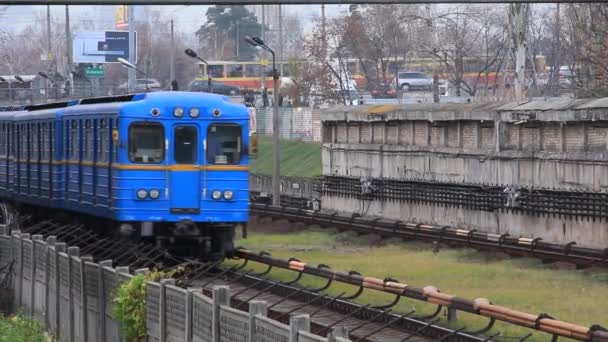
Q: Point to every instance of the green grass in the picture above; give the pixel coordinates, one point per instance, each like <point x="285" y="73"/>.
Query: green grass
<point x="20" y="329"/>
<point x="297" y="158"/>
<point x="521" y="284"/>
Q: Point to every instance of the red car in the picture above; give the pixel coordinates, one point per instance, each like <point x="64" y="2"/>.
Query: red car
<point x="384" y="91"/>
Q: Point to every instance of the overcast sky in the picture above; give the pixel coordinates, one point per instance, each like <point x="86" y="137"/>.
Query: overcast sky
<point x="187" y="18"/>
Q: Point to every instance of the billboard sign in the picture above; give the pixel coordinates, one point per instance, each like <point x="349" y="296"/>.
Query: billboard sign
<point x="122" y="17"/>
<point x="101" y="47"/>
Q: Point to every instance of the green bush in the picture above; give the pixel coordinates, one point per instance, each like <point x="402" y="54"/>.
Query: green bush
<point x="130" y="304"/>
<point x="20" y="329"/>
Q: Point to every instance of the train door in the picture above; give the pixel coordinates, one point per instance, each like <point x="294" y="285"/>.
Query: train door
<point x="184" y="178"/>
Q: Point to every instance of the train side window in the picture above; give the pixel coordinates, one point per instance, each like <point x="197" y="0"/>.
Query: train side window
<point x="88" y="141"/>
<point x="115" y="153"/>
<point x="146" y="142"/>
<point x="2" y="139"/>
<point x="224" y="144"/>
<point x="74" y="140"/>
<point x="102" y="140"/>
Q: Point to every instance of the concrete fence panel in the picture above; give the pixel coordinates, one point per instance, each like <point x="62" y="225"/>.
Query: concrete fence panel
<point x="73" y="297"/>
<point x="176" y="313"/>
<point x="77" y="303"/>
<point x="40" y="281"/>
<point x="202" y="318"/>
<point x="234" y="324"/>
<point x="268" y="330"/>
<point x="153" y="312"/>
<point x="92" y="306"/>
<point x="27" y="284"/>
<point x="64" y="297"/>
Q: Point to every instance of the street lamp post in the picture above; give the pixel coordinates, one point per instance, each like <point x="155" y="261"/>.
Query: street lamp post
<point x="190" y="53"/>
<point x="130" y="65"/>
<point x="276" y="171"/>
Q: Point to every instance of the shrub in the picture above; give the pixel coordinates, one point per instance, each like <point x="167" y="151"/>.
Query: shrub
<point x="130" y="303"/>
<point x="20" y="329"/>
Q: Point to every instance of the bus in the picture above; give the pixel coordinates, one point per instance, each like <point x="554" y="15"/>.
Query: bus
<point x="254" y="74"/>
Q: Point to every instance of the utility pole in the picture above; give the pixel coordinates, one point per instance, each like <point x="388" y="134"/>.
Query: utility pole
<point x="518" y="23"/>
<point x="131" y="71"/>
<point x="555" y="74"/>
<point x="264" y="74"/>
<point x="264" y="22"/>
<point x="323" y="32"/>
<point x="172" y="67"/>
<point x="431" y="31"/>
<point x="68" y="38"/>
<point x="48" y="31"/>
<point x="281" y="33"/>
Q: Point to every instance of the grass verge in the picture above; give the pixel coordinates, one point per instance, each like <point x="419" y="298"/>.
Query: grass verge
<point x="522" y="284"/>
<point x="297" y="158"/>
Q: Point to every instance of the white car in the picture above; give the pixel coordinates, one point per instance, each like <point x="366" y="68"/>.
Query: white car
<point x="143" y="84"/>
<point x="414" y="81"/>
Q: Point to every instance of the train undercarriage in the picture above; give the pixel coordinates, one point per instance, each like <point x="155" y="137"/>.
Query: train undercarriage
<point x="205" y="241"/>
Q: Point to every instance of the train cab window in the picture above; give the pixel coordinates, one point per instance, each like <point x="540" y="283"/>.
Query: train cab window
<point x="224" y="143"/>
<point x="185" y="148"/>
<point x="146" y="142"/>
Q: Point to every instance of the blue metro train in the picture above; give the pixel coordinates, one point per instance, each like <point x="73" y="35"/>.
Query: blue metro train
<point x="172" y="167"/>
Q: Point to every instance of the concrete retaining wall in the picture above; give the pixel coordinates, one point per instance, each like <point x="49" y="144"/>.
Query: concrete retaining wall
<point x="540" y="144"/>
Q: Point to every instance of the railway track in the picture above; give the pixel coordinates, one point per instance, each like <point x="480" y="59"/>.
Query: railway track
<point x="364" y="322"/>
<point x="582" y="257"/>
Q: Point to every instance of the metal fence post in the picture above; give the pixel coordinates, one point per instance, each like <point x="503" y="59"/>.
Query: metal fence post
<point x="50" y="242"/>
<point x="83" y="296"/>
<point x="72" y="251"/>
<point x="162" y="308"/>
<point x="102" y="300"/>
<point x="221" y="296"/>
<point x="296" y="324"/>
<point x="256" y="308"/>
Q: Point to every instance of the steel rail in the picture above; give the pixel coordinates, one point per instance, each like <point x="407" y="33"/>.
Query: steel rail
<point x="570" y="252"/>
<point x="478" y="306"/>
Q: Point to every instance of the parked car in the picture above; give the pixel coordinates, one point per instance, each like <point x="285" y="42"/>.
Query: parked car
<point x="216" y="87"/>
<point x="414" y="81"/>
<point x="384" y="91"/>
<point x="143" y="84"/>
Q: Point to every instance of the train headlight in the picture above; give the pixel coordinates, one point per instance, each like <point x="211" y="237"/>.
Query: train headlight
<point x="154" y="194"/>
<point x="194" y="112"/>
<point x="141" y="193"/>
<point x="228" y="194"/>
<point x="216" y="194"/>
<point x="178" y="112"/>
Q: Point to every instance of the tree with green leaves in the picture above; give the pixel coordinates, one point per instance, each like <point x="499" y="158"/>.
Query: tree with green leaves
<point x="222" y="36"/>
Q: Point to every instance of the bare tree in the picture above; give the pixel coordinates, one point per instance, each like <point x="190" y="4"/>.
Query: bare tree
<point x="469" y="33"/>
<point x="328" y="50"/>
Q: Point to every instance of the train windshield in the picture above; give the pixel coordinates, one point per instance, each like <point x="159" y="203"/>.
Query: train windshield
<point x="224" y="144"/>
<point x="146" y="142"/>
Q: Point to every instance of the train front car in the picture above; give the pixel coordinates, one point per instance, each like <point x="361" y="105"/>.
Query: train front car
<point x="183" y="171"/>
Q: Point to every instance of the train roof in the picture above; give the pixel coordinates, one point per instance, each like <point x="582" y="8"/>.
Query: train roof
<point x="135" y="105"/>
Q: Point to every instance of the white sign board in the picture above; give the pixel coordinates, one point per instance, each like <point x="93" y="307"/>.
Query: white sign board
<point x="101" y="47"/>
